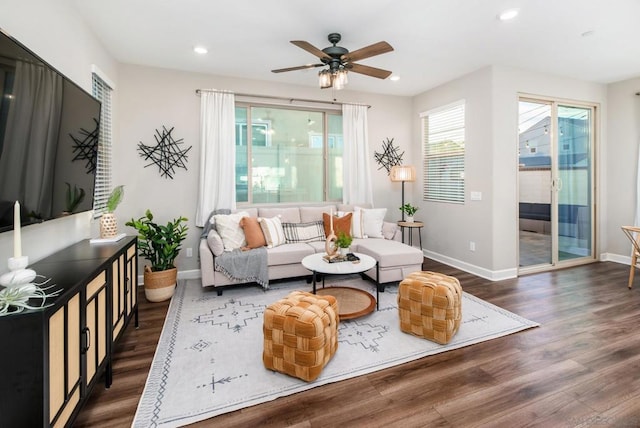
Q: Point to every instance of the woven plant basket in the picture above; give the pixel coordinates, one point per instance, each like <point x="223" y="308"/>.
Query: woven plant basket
<point x="159" y="286"/>
<point x="108" y="225"/>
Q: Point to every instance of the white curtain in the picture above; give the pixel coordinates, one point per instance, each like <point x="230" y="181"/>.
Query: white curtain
<point x="357" y="169"/>
<point x="217" y="188"/>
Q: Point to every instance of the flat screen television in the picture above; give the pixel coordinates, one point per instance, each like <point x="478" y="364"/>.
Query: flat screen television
<point x="49" y="130"/>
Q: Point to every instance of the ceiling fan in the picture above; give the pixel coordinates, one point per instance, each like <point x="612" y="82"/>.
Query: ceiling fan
<point x="340" y="61"/>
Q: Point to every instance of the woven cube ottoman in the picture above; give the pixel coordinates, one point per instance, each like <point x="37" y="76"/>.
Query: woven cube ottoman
<point x="300" y="334"/>
<point x="430" y="306"/>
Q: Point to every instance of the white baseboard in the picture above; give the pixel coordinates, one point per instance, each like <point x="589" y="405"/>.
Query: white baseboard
<point x="610" y="257"/>
<point x="492" y="275"/>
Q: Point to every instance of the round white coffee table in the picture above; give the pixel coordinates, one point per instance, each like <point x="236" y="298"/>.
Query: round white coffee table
<point x="316" y="264"/>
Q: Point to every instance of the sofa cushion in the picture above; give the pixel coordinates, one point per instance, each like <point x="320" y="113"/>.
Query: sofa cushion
<point x="318" y="246"/>
<point x="253" y="232"/>
<point x="215" y="242"/>
<point x="340" y="224"/>
<point x="389" y="230"/>
<point x="228" y="226"/>
<point x="288" y="254"/>
<point x="286" y="214"/>
<point x="308" y="214"/>
<point x="389" y="253"/>
<point x="303" y="232"/>
<point x="273" y="232"/>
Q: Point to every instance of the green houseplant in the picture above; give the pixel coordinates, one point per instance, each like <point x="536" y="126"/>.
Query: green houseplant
<point x="409" y="210"/>
<point x="343" y="242"/>
<point x="160" y="244"/>
<point x="108" y="221"/>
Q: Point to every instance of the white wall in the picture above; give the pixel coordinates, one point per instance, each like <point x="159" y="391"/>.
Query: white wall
<point x="623" y="134"/>
<point x="449" y="227"/>
<point x="54" y="31"/>
<point x="491" y="164"/>
<point x="152" y="97"/>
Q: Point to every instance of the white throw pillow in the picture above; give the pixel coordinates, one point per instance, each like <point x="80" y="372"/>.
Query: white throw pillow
<point x="372" y="220"/>
<point x="215" y="243"/>
<point x="273" y="231"/>
<point x="357" y="225"/>
<point x="228" y="227"/>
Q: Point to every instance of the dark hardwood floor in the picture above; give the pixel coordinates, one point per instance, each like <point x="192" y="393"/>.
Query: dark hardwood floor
<point x="581" y="368"/>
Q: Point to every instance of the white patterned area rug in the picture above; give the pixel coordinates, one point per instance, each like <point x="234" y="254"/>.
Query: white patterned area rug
<point x="209" y="357"/>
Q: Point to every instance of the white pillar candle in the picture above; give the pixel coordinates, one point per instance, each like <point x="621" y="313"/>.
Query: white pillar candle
<point x="17" y="238"/>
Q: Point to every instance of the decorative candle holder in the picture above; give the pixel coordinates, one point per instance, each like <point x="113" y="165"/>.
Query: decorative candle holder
<point x="18" y="275"/>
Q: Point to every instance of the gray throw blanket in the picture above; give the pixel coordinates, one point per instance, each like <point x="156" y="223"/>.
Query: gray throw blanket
<point x="248" y="266"/>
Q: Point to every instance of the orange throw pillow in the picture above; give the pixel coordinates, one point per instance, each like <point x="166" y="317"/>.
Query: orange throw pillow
<point x="340" y="224"/>
<point x="252" y="232"/>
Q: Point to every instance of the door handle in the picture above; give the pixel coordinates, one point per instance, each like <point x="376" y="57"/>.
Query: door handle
<point x="87" y="339"/>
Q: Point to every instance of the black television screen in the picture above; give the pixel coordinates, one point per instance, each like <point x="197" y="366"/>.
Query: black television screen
<point x="48" y="139"/>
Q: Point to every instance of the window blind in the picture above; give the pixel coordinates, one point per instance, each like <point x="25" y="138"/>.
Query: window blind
<point x="102" y="92"/>
<point x="443" y="136"/>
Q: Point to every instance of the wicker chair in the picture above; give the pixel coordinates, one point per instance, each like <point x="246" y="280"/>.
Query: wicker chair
<point x="430" y="306"/>
<point x="300" y="334"/>
<point x="633" y="233"/>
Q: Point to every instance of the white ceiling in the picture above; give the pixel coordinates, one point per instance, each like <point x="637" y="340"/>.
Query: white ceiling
<point x="434" y="40"/>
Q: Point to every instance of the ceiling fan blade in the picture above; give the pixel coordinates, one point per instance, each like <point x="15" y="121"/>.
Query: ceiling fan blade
<point x="369" y="71"/>
<point x="367" y="52"/>
<point x="310" y="48"/>
<point x="300" y="67"/>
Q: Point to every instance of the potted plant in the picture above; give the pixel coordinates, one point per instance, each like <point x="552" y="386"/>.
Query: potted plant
<point x="343" y="242"/>
<point x="160" y="244"/>
<point x="108" y="221"/>
<point x="409" y="210"/>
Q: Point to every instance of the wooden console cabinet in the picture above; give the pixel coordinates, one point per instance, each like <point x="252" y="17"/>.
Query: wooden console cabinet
<point x="52" y="358"/>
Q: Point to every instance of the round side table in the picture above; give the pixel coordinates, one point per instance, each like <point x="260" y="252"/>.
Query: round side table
<point x="411" y="226"/>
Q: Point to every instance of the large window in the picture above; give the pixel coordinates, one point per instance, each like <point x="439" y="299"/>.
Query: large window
<point x="443" y="149"/>
<point x="287" y="155"/>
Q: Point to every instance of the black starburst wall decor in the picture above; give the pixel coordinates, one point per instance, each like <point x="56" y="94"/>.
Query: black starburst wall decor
<point x="167" y="154"/>
<point x="389" y="156"/>
<point x="85" y="147"/>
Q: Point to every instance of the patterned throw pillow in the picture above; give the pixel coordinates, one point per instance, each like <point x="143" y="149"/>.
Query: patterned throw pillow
<point x="303" y="232"/>
<point x="228" y="226"/>
<point x="273" y="232"/>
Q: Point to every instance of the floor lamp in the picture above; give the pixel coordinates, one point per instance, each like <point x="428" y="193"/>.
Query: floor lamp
<point x="403" y="173"/>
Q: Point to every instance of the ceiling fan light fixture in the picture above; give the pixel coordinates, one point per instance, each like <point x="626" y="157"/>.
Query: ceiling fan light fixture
<point x="340" y="79"/>
<point x="324" y="77"/>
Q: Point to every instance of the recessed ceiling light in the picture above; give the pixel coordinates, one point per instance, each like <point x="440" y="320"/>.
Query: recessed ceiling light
<point x="394" y="78"/>
<point x="200" y="50"/>
<point x="508" y="14"/>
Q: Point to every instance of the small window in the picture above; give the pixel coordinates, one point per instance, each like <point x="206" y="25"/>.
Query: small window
<point x="443" y="136"/>
<point x="102" y="91"/>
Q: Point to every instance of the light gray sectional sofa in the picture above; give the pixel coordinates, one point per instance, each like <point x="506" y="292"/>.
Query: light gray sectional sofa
<point x="395" y="259"/>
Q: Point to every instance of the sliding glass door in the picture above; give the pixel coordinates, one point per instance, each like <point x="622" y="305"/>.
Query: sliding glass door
<point x="555" y="179"/>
